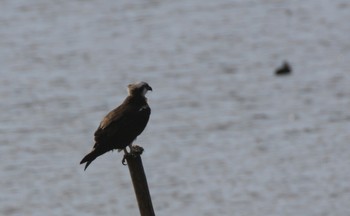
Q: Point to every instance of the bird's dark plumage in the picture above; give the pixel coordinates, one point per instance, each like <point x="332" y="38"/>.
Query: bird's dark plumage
<point x="285" y="69"/>
<point x="120" y="127"/>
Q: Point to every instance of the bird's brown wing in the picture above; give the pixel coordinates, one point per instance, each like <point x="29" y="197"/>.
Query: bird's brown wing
<point x="121" y="126"/>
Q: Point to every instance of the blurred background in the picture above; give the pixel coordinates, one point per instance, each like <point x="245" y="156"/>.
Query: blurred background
<point x="226" y="136"/>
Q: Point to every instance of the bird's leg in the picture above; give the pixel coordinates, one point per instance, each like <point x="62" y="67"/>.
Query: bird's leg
<point x="135" y="151"/>
<point x="130" y="146"/>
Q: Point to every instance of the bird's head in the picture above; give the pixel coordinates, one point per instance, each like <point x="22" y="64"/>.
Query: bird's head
<point x="138" y="89"/>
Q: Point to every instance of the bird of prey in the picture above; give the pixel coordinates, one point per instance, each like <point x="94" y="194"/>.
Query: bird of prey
<point x="120" y="127"/>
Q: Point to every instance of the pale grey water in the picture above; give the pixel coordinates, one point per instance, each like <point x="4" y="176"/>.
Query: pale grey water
<point x="226" y="137"/>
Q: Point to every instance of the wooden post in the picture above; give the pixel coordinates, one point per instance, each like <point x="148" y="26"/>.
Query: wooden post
<point x="139" y="181"/>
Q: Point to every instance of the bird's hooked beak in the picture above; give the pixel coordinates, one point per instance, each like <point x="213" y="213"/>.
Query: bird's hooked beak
<point x="145" y="89"/>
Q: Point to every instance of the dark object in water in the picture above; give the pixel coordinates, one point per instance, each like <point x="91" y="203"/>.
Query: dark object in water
<point x="285" y="69"/>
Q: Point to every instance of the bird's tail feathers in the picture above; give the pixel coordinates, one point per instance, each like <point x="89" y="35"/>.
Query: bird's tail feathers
<point x="89" y="158"/>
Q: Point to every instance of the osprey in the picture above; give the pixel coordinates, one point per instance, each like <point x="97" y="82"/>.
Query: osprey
<point x="120" y="127"/>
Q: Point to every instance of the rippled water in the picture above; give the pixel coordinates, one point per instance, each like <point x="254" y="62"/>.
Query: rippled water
<point x="226" y="136"/>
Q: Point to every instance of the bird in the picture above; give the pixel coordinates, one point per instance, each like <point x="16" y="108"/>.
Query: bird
<point x="285" y="69"/>
<point x="120" y="127"/>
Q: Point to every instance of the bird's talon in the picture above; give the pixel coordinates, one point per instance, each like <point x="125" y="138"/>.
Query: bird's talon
<point x="123" y="161"/>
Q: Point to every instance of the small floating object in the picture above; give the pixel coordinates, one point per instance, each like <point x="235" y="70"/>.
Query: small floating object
<point x="285" y="69"/>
